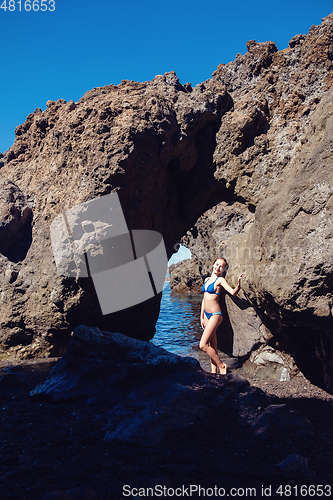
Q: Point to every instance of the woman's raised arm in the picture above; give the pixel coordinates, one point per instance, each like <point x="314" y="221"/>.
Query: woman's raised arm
<point x="228" y="288"/>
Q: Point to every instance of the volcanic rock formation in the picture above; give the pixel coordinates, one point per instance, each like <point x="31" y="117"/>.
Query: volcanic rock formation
<point x="257" y="137"/>
<point x="149" y="391"/>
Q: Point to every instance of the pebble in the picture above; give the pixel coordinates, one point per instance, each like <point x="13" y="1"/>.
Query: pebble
<point x="296" y="464"/>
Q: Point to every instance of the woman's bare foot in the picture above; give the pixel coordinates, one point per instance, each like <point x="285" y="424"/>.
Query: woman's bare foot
<point x="213" y="368"/>
<point x="223" y="369"/>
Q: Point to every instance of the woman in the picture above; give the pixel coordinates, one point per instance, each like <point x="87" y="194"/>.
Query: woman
<point x="211" y="314"/>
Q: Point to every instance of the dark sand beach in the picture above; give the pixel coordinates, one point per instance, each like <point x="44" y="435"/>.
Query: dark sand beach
<point x="49" y="447"/>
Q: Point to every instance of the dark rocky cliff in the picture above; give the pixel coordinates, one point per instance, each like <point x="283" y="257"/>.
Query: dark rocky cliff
<point x="274" y="148"/>
<point x="256" y="137"/>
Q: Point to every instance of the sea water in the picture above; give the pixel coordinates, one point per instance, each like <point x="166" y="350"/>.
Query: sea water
<point x="178" y="328"/>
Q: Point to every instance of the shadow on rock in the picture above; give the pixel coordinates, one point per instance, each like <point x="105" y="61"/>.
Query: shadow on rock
<point x="145" y="391"/>
<point x="150" y="390"/>
<point x="228" y="340"/>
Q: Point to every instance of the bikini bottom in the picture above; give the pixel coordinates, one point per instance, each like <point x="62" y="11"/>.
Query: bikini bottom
<point x="209" y="315"/>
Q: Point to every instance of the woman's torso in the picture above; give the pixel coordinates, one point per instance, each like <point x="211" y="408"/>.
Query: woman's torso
<point x="211" y="291"/>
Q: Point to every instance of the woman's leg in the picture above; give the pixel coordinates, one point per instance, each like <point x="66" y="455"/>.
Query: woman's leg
<point x="208" y="337"/>
<point x="213" y="344"/>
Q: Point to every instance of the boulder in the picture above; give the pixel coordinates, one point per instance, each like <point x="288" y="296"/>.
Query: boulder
<point x="267" y="362"/>
<point x="95" y="363"/>
<point x="296" y="465"/>
<point x="142" y="391"/>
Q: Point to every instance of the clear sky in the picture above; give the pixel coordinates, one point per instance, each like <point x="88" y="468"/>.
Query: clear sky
<point x="84" y="44"/>
<point x="182" y="254"/>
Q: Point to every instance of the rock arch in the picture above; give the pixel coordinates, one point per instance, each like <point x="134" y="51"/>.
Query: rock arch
<point x="258" y="133"/>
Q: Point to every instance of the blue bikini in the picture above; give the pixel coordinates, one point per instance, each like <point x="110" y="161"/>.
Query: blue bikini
<point x="211" y="289"/>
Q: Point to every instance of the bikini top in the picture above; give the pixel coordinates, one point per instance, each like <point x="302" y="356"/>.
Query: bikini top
<point x="210" y="288"/>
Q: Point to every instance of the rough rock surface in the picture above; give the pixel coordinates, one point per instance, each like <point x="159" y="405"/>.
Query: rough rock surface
<point x="242" y="328"/>
<point x="267" y="362"/>
<point x="274" y="148"/>
<point x="185" y="276"/>
<point x="143" y="140"/>
<point x="258" y="134"/>
<point x="152" y="391"/>
<point x="15" y="215"/>
<point x="286" y="251"/>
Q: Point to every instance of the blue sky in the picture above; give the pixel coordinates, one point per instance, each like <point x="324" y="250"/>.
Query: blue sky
<point x="85" y="44"/>
<point x="182" y="254"/>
